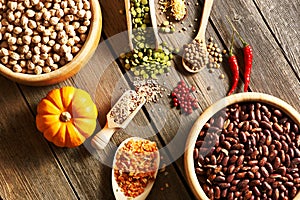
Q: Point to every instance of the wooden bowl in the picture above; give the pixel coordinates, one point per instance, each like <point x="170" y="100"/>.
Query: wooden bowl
<point x="70" y="68"/>
<point x="209" y="112"/>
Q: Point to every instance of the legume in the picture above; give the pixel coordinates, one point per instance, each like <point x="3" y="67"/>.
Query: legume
<point x="135" y="166"/>
<point x="29" y="42"/>
<point x="249" y="151"/>
<point x="195" y="55"/>
<point x="181" y="98"/>
<point x="147" y="62"/>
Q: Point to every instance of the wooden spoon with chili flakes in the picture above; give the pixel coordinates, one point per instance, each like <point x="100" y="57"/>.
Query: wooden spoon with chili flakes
<point x="200" y="59"/>
<point x="136" y="161"/>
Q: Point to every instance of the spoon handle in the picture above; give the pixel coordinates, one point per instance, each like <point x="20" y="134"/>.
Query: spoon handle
<point x="204" y="19"/>
<point x="129" y="24"/>
<point x="102" y="138"/>
<point x="153" y="21"/>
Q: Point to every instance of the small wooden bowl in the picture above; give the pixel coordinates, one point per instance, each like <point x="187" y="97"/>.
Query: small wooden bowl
<point x="209" y="112"/>
<point x="70" y="68"/>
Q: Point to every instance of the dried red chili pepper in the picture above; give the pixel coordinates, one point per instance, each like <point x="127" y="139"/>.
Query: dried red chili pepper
<point x="234" y="66"/>
<point x="248" y="57"/>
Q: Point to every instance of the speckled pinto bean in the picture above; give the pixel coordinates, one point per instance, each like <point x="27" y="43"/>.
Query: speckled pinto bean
<point x="249" y="151"/>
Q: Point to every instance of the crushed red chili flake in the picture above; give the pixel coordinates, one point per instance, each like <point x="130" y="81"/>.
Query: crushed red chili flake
<point x="135" y="166"/>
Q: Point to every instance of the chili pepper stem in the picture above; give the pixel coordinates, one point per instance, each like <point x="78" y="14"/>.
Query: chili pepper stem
<point x="231" y="44"/>
<point x="234" y="29"/>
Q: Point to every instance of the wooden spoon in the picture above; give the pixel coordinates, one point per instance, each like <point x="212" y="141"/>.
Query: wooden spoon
<point x="201" y="33"/>
<point x="101" y="139"/>
<point x="119" y="195"/>
<point x="129" y="22"/>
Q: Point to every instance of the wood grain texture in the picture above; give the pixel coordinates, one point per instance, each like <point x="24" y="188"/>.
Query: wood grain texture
<point x="28" y="168"/>
<point x="286" y="29"/>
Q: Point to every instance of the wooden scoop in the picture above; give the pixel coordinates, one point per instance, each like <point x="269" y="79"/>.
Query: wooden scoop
<point x="119" y="195"/>
<point x="129" y="22"/>
<point x="102" y="138"/>
<point x="201" y="32"/>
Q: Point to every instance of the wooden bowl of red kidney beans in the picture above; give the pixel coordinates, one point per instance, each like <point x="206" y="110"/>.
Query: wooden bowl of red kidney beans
<point x="245" y="146"/>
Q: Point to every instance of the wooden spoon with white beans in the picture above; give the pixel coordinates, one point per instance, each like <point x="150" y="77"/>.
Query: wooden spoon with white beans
<point x="200" y="59"/>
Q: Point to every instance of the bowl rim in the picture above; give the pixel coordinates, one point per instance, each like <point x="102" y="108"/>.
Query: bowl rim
<point x="209" y="112"/>
<point x="70" y="68"/>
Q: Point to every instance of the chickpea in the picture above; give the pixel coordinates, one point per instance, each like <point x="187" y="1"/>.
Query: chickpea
<point x="56" y="57"/>
<point x="50" y="61"/>
<point x="86" y="22"/>
<point x="28" y="55"/>
<point x="86" y="5"/>
<point x="12" y="40"/>
<point x="35" y="2"/>
<point x="19" y="41"/>
<point x="56" y="47"/>
<point x="82" y="29"/>
<point x="24" y="49"/>
<point x="23" y="63"/>
<point x="54" y="20"/>
<point x="45" y="48"/>
<point x="59" y="13"/>
<point x="39" y="6"/>
<point x="17" y="30"/>
<point x="75" y="49"/>
<point x="28" y="31"/>
<point x="13" y="47"/>
<point x="10" y="28"/>
<point x="45" y="39"/>
<point x="36" y="39"/>
<point x="37" y="50"/>
<point x="46" y="69"/>
<point x="30" y="65"/>
<point x="59" y="26"/>
<point x="30" y="13"/>
<point x="54" y="67"/>
<point x="10" y="17"/>
<point x="35" y="59"/>
<point x="17" y="68"/>
<point x="24" y="21"/>
<point x="17" y="14"/>
<point x="41" y="28"/>
<point x="41" y="62"/>
<point x="38" y="16"/>
<point x="81" y="13"/>
<point x="38" y="70"/>
<point x="69" y="18"/>
<point x="12" y="5"/>
<point x="27" y="4"/>
<point x="12" y="62"/>
<point x="26" y="39"/>
<point x="48" y="4"/>
<point x="47" y="15"/>
<point x="5" y="60"/>
<point x="51" y="43"/>
<point x="32" y="24"/>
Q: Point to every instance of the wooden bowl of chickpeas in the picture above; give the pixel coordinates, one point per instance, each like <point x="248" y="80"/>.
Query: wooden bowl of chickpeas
<point x="46" y="42"/>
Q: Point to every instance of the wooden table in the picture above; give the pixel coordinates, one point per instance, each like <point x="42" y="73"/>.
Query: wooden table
<point x="32" y="168"/>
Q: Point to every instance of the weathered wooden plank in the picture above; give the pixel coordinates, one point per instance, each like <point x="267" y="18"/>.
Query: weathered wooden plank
<point x="28" y="168"/>
<point x="283" y="19"/>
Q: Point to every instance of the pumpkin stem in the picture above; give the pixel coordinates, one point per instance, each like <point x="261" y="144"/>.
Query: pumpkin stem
<point x="65" y="116"/>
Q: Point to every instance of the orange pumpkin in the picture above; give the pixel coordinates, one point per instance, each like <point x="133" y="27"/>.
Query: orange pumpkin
<point x="66" y="116"/>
